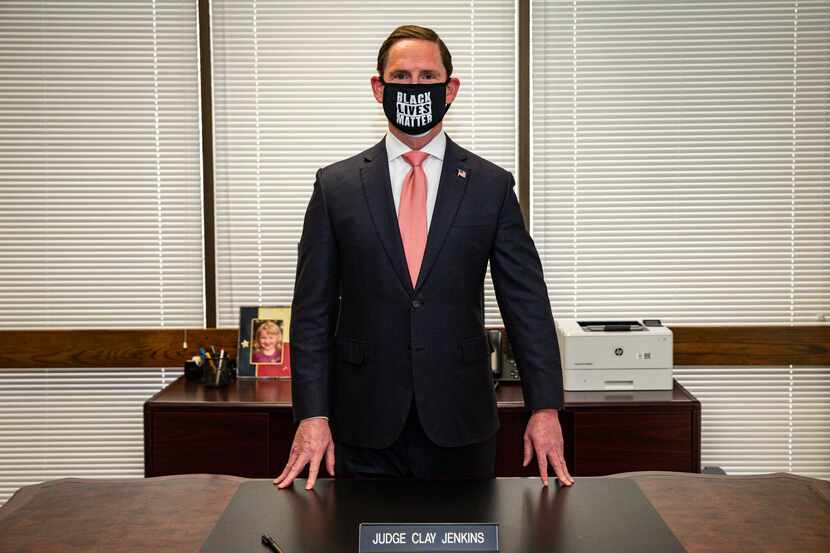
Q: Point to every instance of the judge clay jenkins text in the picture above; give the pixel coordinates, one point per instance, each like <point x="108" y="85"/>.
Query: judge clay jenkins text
<point x="383" y="538"/>
<point x="414" y="109"/>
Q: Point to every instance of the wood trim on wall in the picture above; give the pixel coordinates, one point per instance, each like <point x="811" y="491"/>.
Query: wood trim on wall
<point x="752" y="345"/>
<point x="767" y="345"/>
<point x="109" y="348"/>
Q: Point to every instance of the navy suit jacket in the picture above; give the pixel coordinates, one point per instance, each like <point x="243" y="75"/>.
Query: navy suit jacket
<point x="365" y="341"/>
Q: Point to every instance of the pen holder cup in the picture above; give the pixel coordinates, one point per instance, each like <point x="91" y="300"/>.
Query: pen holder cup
<point x="214" y="377"/>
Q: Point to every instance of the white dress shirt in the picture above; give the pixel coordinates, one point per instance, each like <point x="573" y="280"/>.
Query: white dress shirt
<point x="398" y="168"/>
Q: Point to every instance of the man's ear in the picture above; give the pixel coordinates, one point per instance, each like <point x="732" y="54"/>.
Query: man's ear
<point x="452" y="89"/>
<point x="377" y="88"/>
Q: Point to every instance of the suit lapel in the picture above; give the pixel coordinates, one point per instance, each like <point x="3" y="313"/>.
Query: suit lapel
<point x="377" y="189"/>
<point x="453" y="184"/>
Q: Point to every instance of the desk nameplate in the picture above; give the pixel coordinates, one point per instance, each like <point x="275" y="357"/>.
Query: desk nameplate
<point x="428" y="538"/>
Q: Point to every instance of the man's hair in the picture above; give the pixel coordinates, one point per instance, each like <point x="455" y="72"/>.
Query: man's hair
<point x="413" y="31"/>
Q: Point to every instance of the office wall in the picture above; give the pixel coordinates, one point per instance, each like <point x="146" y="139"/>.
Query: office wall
<point x="100" y="187"/>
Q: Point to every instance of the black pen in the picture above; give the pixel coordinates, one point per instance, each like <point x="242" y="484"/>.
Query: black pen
<point x="271" y="543"/>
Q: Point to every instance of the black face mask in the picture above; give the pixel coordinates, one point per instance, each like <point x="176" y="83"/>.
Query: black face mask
<point x="415" y="108"/>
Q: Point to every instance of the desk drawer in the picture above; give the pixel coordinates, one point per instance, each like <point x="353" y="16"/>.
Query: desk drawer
<point x="224" y="442"/>
<point x="609" y="442"/>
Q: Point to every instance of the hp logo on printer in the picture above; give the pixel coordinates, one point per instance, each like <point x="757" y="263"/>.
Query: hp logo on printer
<point x="618" y="352"/>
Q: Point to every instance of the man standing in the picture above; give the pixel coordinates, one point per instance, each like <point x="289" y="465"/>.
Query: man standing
<point x="390" y="359"/>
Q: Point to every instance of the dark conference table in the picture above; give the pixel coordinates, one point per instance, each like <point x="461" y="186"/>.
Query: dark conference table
<point x="706" y="513"/>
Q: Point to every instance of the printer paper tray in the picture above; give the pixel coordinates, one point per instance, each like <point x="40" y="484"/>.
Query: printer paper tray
<point x="599" y="380"/>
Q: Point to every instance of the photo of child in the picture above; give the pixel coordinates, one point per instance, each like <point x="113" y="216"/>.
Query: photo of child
<point x="264" y="342"/>
<point x="269" y="353"/>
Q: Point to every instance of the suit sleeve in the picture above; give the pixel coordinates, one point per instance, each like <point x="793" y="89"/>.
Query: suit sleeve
<point x="314" y="311"/>
<point x="525" y="306"/>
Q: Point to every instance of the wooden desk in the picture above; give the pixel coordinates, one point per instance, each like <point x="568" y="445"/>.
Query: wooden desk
<point x="707" y="514"/>
<point x="246" y="430"/>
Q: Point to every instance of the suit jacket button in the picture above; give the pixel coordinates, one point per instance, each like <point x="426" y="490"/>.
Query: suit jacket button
<point x="416" y="304"/>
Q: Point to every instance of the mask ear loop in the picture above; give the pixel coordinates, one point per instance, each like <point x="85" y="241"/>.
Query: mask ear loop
<point x="447" y="106"/>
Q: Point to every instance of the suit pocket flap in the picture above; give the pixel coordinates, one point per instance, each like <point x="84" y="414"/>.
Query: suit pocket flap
<point x="350" y="351"/>
<point x="474" y="348"/>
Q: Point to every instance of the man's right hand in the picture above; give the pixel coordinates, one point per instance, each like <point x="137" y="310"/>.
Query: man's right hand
<point x="311" y="442"/>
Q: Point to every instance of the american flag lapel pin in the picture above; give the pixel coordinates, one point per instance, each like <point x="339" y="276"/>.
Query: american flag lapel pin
<point x="462" y="173"/>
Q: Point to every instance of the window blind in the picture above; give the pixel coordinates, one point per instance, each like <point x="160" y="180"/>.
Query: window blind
<point x="680" y="153"/>
<point x="62" y="423"/>
<point x="291" y="95"/>
<point x="100" y="194"/>
<point x="763" y="419"/>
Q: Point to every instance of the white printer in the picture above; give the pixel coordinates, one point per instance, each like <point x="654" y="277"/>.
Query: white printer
<point x="615" y="355"/>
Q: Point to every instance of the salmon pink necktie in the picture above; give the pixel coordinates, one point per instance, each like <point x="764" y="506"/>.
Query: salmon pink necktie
<point x="412" y="213"/>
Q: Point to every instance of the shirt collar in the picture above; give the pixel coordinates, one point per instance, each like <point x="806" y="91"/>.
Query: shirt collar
<point x="436" y="147"/>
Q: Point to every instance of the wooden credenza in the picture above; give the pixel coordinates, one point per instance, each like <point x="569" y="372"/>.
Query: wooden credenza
<point x="246" y="430"/>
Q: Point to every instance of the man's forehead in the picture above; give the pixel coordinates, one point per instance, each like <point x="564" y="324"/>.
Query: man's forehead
<point x="412" y="53"/>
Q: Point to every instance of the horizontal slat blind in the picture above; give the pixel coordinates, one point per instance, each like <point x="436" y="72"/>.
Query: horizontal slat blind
<point x="60" y="423"/>
<point x="745" y="419"/>
<point x="763" y="419"/>
<point x="100" y="209"/>
<point x="811" y="421"/>
<point x="680" y="154"/>
<point x="291" y="87"/>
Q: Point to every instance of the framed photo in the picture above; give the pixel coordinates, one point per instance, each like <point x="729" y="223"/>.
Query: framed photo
<point x="264" y="345"/>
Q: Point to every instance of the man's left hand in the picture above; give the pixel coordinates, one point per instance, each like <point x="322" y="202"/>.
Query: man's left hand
<point x="543" y="437"/>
